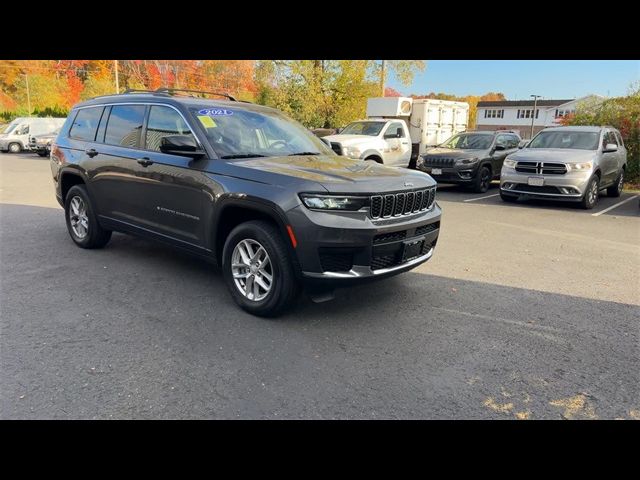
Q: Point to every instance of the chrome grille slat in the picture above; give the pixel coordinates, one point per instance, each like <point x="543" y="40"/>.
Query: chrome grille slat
<point x="402" y="203"/>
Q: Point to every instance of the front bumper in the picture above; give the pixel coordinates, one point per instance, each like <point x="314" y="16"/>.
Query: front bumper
<point x="345" y="247"/>
<point x="569" y="186"/>
<point x="451" y="174"/>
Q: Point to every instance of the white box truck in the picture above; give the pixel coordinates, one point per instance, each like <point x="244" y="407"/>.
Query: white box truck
<point x="398" y="129"/>
<point x="16" y="136"/>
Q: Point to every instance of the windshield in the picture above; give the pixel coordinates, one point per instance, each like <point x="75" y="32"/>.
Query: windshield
<point x="238" y="133"/>
<point x="469" y="141"/>
<point x="9" y="128"/>
<point x="363" y="128"/>
<point x="566" y="139"/>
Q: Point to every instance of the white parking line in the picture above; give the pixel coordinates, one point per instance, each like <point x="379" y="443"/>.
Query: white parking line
<point x="480" y="198"/>
<point x="614" y="206"/>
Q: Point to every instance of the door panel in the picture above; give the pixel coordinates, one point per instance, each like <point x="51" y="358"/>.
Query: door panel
<point x="399" y="152"/>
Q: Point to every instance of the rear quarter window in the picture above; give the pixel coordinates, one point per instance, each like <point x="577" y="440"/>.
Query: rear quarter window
<point x="85" y="124"/>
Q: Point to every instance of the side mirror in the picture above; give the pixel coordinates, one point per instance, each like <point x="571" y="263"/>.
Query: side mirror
<point x="500" y="147"/>
<point x="183" y="145"/>
<point x="523" y="143"/>
<point x="610" y="147"/>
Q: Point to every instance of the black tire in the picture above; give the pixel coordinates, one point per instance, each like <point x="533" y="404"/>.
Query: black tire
<point x="615" y="190"/>
<point x="43" y="154"/>
<point x="96" y="236"/>
<point x="14" y="148"/>
<point x="508" y="198"/>
<point x="591" y="194"/>
<point x="482" y="181"/>
<point x="284" y="288"/>
<point x="373" y="158"/>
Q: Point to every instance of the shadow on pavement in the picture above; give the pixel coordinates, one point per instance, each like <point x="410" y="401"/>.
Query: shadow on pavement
<point x="139" y="330"/>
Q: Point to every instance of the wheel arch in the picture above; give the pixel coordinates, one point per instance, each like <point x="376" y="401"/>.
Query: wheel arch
<point x="231" y="212"/>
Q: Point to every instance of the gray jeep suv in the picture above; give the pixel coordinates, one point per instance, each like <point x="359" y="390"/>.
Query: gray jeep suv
<point x="567" y="163"/>
<point x="243" y="186"/>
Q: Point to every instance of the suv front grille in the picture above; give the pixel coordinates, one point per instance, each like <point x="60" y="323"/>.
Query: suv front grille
<point x="336" y="147"/>
<point x="390" y="237"/>
<point x="403" y="203"/>
<point x="388" y="260"/>
<point x="544" y="168"/>
<point x="439" y="161"/>
<point x="523" y="187"/>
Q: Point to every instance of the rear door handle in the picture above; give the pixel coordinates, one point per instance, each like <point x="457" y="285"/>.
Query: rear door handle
<point x="92" y="152"/>
<point x="145" y="161"/>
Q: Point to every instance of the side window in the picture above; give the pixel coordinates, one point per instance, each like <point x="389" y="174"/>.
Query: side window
<point x="164" y="121"/>
<point x="85" y="124"/>
<point x="393" y="128"/>
<point x="502" y="140"/>
<point x="125" y="125"/>
<point x="619" y="137"/>
<point x="609" y="137"/>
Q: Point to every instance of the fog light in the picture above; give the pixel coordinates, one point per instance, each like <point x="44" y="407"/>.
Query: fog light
<point x="465" y="175"/>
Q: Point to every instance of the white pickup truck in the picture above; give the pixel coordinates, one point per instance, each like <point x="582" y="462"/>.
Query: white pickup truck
<point x="399" y="128"/>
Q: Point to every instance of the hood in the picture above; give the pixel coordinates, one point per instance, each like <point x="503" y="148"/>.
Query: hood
<point x="41" y="138"/>
<point x="348" y="140"/>
<point x="562" y="155"/>
<point x="455" y="153"/>
<point x="336" y="174"/>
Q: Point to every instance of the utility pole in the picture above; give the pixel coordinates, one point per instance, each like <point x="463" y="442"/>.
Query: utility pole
<point x="26" y="77"/>
<point x="115" y="68"/>
<point x="383" y="74"/>
<point x="533" y="114"/>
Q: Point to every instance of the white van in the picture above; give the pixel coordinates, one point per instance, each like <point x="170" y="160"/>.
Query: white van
<point x="16" y="136"/>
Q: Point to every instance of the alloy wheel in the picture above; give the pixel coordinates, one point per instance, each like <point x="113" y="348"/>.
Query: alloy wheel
<point x="78" y="217"/>
<point x="252" y="270"/>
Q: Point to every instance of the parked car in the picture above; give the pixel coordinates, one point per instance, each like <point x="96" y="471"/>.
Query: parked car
<point x="42" y="143"/>
<point x="243" y="186"/>
<point x="567" y="163"/>
<point x="323" y="132"/>
<point x="16" y="136"/>
<point x="470" y="158"/>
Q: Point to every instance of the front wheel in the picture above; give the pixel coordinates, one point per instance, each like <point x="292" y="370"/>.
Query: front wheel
<point x="43" y="154"/>
<point x="482" y="180"/>
<point x="15" y="148"/>
<point x="590" y="197"/>
<point x="258" y="269"/>
<point x="616" y="189"/>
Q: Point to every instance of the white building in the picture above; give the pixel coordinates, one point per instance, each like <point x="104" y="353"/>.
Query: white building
<point x="518" y="114"/>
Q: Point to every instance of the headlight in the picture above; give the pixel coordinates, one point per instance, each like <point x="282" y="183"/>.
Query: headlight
<point x="466" y="161"/>
<point x="333" y="202"/>
<point x="510" y="163"/>
<point x="580" y="166"/>
<point x="352" y="152"/>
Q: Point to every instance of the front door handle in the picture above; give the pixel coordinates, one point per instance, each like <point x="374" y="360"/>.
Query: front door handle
<point x="92" y="152"/>
<point x="145" y="161"/>
<point x="405" y="143"/>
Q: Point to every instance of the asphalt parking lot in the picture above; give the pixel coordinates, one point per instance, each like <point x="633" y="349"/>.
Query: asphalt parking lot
<point x="526" y="311"/>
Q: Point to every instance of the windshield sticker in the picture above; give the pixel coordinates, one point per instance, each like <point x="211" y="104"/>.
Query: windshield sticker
<point x="216" y="112"/>
<point x="206" y="121"/>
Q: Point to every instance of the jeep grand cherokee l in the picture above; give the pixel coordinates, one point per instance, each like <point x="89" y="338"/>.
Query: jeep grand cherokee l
<point x="469" y="158"/>
<point x="243" y="186"/>
<point x="567" y="163"/>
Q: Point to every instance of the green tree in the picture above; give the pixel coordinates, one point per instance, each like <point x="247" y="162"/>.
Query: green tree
<point x="622" y="113"/>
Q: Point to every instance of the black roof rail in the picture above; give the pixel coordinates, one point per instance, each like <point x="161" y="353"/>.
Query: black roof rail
<point x="136" y="90"/>
<point x="171" y="91"/>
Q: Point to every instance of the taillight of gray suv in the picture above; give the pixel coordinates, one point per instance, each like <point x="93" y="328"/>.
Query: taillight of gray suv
<point x="243" y="186"/>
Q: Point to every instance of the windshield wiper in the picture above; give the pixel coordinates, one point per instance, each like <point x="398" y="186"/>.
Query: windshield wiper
<point x="243" y="155"/>
<point x="304" y="153"/>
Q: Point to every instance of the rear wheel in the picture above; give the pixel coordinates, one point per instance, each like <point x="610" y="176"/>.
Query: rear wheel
<point x="43" y="154"/>
<point x="258" y="269"/>
<point x="590" y="197"/>
<point x="15" y="148"/>
<point x="616" y="189"/>
<point x="82" y="221"/>
<point x="482" y="181"/>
